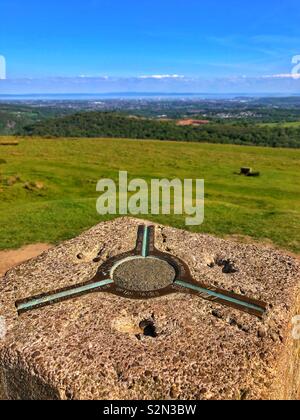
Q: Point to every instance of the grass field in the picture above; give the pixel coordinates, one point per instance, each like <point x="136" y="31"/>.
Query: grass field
<point x="61" y="201"/>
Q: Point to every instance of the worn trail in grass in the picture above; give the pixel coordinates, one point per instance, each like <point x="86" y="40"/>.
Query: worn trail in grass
<point x="264" y="208"/>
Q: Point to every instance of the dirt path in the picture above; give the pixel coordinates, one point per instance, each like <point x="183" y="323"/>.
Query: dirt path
<point x="9" y="259"/>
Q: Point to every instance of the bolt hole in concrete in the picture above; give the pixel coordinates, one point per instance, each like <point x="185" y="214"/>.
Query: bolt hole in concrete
<point x="228" y="266"/>
<point x="143" y="274"/>
<point x="149" y="328"/>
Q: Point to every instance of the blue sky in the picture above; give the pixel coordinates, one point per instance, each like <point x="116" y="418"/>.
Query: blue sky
<point x="185" y="44"/>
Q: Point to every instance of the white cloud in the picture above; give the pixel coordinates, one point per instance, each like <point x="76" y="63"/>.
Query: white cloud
<point x="163" y="76"/>
<point x="283" y="76"/>
<point x="273" y="83"/>
<point x="87" y="76"/>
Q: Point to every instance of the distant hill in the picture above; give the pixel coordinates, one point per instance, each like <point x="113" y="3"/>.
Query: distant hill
<point x="13" y="117"/>
<point x="108" y="124"/>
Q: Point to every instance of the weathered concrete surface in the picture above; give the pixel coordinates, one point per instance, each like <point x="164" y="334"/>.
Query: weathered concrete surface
<point x="92" y="347"/>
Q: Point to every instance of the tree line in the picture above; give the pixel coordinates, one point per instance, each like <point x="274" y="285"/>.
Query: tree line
<point x="107" y="124"/>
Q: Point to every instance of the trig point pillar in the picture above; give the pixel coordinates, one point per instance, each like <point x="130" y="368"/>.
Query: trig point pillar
<point x="132" y="310"/>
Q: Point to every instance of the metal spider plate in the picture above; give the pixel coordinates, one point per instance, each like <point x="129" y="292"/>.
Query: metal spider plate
<point x="145" y="273"/>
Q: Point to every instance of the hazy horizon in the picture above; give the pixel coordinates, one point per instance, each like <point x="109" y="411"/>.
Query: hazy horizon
<point x="143" y="95"/>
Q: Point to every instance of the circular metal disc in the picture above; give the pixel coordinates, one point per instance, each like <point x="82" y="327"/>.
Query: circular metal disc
<point x="143" y="274"/>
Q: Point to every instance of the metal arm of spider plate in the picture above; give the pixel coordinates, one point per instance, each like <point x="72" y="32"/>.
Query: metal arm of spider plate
<point x="185" y="283"/>
<point x="102" y="282"/>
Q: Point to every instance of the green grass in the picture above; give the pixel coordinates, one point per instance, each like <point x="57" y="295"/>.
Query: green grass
<point x="264" y="208"/>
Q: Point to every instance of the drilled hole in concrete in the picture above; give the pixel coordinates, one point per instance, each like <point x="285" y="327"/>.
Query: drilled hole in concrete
<point x="244" y="394"/>
<point x="164" y="238"/>
<point x="229" y="266"/>
<point x="148" y="327"/>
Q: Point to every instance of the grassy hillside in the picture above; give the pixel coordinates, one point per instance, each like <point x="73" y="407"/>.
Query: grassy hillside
<point x="48" y="187"/>
<point x="103" y="124"/>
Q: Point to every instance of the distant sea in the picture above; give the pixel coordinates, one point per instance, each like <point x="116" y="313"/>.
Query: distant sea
<point x="136" y="95"/>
